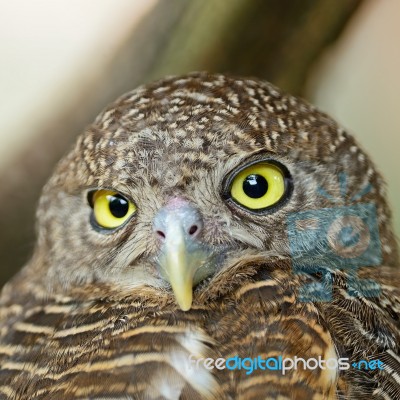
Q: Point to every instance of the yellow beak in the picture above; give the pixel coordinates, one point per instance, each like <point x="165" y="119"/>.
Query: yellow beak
<point x="176" y="266"/>
<point x="184" y="260"/>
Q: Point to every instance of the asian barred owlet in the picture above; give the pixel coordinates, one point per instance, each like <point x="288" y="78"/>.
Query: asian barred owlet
<point x="207" y="238"/>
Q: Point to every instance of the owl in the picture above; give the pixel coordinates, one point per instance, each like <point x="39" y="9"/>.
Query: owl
<point x="207" y="237"/>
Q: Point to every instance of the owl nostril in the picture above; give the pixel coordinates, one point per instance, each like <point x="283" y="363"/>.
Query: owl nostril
<point x="160" y="234"/>
<point x="177" y="220"/>
<point x="193" y="229"/>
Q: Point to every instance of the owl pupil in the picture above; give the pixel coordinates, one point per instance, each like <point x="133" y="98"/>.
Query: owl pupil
<point x="255" y="186"/>
<point x="118" y="206"/>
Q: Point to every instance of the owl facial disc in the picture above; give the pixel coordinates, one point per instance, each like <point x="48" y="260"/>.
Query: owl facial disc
<point x="183" y="259"/>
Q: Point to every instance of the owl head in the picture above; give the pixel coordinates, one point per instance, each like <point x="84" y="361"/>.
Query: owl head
<point x="178" y="180"/>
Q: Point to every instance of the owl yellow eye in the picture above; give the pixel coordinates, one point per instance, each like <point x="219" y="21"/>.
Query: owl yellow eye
<point x="259" y="186"/>
<point x="110" y="209"/>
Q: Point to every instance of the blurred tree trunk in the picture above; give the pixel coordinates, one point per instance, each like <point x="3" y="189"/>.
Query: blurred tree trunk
<point x="277" y="40"/>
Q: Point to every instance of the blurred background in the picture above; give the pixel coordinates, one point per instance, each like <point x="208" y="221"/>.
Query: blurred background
<point x="63" y="61"/>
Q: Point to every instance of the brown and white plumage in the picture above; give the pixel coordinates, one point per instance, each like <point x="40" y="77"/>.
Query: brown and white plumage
<point x="93" y="315"/>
